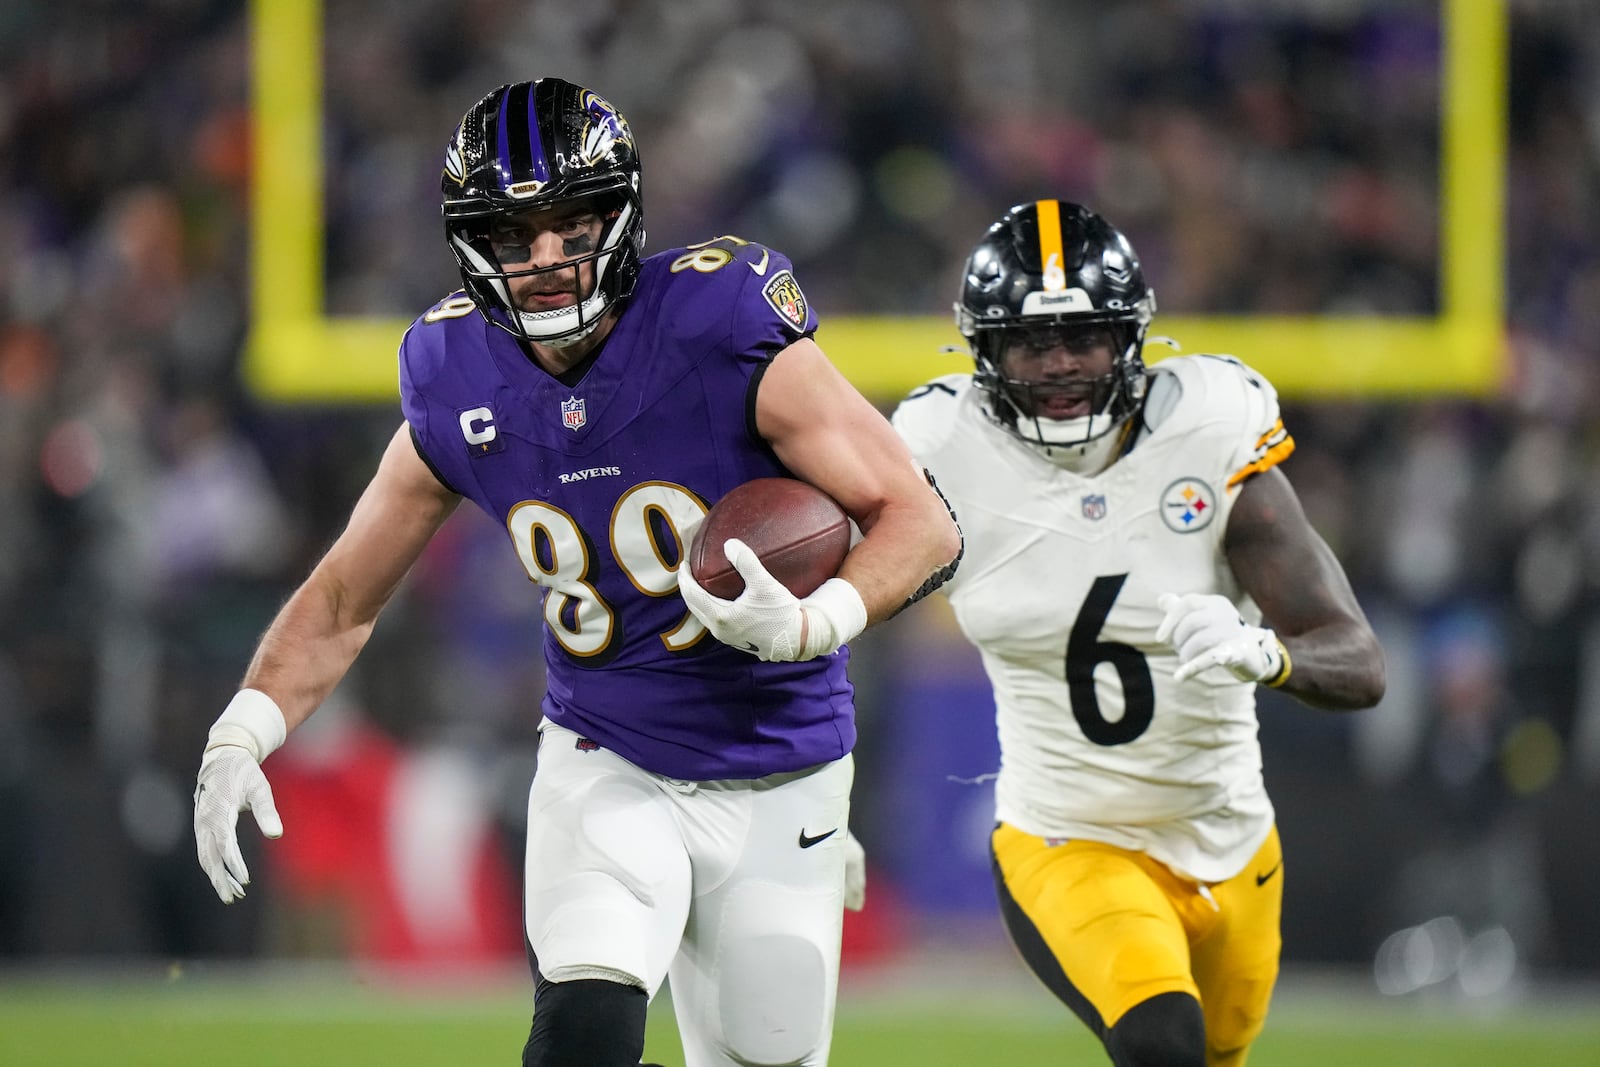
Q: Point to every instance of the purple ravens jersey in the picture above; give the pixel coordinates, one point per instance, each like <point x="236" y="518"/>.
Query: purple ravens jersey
<point x="595" y="484"/>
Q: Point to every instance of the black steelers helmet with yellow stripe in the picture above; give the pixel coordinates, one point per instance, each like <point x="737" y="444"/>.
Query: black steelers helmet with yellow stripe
<point x="1054" y="264"/>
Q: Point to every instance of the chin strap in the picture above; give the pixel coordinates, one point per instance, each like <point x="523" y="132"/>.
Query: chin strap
<point x="567" y="340"/>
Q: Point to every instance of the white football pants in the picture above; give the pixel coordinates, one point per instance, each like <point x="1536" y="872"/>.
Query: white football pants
<point x="734" y="889"/>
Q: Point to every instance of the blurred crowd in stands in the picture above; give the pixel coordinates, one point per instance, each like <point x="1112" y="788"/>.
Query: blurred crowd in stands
<point x="1274" y="157"/>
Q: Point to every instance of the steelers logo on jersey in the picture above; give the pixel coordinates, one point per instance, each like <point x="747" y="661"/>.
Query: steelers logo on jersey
<point x="1187" y="505"/>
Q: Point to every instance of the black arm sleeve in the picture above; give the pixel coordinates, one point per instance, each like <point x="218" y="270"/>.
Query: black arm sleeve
<point x="948" y="571"/>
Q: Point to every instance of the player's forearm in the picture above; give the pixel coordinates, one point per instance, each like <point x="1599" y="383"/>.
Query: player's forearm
<point x="1338" y="667"/>
<point x="308" y="648"/>
<point x="906" y="546"/>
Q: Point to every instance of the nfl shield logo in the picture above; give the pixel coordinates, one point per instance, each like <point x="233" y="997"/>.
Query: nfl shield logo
<point x="1094" y="506"/>
<point x="572" y="416"/>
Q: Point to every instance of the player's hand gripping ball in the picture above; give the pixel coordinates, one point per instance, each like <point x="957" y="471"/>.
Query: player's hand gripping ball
<point x="761" y="572"/>
<point x="797" y="531"/>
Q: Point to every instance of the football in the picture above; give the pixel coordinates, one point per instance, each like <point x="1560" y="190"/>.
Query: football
<point x="799" y="533"/>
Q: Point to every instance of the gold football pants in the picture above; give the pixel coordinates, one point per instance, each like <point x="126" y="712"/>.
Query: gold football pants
<point x="1106" y="929"/>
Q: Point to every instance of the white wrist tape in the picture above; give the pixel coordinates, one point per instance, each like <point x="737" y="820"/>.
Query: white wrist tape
<point x="252" y="721"/>
<point x="835" y="614"/>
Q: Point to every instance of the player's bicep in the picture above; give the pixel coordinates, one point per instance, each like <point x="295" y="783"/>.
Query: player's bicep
<point x="399" y="512"/>
<point x="828" y="434"/>
<point x="1281" y="560"/>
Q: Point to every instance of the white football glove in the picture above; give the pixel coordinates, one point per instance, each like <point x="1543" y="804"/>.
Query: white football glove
<point x="230" y="781"/>
<point x="767" y="620"/>
<point x="1205" y="630"/>
<point x="855" y="873"/>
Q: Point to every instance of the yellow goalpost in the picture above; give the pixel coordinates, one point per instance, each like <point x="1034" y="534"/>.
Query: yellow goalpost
<point x="298" y="354"/>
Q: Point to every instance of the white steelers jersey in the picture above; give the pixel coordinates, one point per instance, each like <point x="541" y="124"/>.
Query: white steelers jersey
<point x="1058" y="589"/>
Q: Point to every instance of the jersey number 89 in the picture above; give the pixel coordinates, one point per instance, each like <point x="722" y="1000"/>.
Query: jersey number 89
<point x="556" y="554"/>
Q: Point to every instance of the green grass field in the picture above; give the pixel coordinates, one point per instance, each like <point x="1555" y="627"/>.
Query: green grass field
<point x="317" y="1018"/>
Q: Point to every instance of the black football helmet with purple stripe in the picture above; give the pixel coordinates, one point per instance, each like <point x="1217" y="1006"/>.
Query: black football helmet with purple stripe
<point x="533" y="145"/>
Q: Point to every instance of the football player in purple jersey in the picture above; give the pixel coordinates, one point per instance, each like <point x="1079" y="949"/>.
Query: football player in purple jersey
<point x="688" y="815"/>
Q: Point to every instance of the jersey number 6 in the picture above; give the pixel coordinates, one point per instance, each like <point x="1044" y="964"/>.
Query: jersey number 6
<point x="1085" y="651"/>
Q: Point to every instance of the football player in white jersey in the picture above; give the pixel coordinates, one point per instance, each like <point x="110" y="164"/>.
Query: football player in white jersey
<point x="1136" y="564"/>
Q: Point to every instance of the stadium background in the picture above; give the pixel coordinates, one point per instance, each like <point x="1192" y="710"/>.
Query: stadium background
<point x="216" y="218"/>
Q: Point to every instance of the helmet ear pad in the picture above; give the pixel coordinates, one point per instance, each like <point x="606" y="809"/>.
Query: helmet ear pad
<point x="540" y="144"/>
